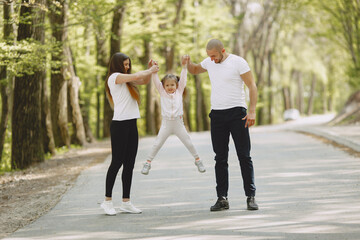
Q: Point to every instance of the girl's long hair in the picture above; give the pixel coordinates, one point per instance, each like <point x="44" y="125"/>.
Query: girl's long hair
<point x="117" y="65"/>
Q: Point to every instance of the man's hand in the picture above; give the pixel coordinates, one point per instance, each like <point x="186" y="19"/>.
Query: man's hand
<point x="152" y="63"/>
<point x="250" y="119"/>
<point x="185" y="60"/>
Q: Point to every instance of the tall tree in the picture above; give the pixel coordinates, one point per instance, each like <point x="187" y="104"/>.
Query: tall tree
<point x="345" y="26"/>
<point x="311" y="97"/>
<point x="27" y="145"/>
<point x="8" y="35"/>
<point x="298" y="76"/>
<point x="261" y="47"/>
<point x="73" y="90"/>
<point x="202" y="120"/>
<point x="58" y="20"/>
<point x="101" y="60"/>
<point x="47" y="131"/>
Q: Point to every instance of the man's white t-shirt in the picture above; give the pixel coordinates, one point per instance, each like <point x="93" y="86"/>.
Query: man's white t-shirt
<point x="125" y="107"/>
<point x="227" y="87"/>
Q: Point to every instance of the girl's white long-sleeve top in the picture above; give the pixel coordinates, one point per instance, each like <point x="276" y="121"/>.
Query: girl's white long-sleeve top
<point x="171" y="104"/>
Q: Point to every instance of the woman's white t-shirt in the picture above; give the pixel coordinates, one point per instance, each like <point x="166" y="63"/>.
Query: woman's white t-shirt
<point x="125" y="107"/>
<point x="227" y="87"/>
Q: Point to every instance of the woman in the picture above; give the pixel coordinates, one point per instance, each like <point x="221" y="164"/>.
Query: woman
<point x="124" y="97"/>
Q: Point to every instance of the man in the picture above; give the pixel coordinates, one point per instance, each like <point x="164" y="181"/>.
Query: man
<point x="228" y="73"/>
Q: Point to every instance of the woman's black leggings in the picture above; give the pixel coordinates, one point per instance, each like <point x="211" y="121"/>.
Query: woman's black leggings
<point x="124" y="145"/>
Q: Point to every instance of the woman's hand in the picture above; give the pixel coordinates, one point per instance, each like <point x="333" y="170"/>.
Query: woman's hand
<point x="154" y="68"/>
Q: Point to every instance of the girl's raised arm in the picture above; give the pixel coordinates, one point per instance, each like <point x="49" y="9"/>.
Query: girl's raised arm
<point x="156" y="80"/>
<point x="183" y="79"/>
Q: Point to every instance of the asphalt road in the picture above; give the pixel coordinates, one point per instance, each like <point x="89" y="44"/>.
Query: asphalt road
<point x="305" y="190"/>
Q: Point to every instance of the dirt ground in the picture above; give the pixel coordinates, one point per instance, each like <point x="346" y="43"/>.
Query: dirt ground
<point x="26" y="195"/>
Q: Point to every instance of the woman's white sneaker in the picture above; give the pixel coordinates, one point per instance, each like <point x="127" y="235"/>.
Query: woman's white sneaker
<point x="108" y="208"/>
<point x="129" y="208"/>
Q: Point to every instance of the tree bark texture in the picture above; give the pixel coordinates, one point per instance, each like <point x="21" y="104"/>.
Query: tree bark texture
<point x="287" y="98"/>
<point x="101" y="60"/>
<point x="27" y="147"/>
<point x="202" y="120"/>
<point x="48" y="136"/>
<point x="270" y="90"/>
<point x="73" y="88"/>
<point x="4" y="86"/>
<point x="152" y="101"/>
<point x="312" y="93"/>
<point x="58" y="98"/>
<point x="300" y="93"/>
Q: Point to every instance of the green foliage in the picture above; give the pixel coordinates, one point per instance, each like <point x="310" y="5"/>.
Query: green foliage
<point x="26" y="57"/>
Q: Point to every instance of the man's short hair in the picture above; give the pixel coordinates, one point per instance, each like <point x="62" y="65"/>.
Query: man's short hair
<point x="215" y="43"/>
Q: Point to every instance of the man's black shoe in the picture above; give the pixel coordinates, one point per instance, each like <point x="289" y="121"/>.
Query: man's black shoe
<point x="221" y="204"/>
<point x="251" y="204"/>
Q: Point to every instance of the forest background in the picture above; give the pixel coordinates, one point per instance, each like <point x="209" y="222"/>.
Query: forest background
<point x="304" y="54"/>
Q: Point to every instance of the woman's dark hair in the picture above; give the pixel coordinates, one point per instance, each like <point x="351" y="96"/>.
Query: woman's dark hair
<point x="117" y="65"/>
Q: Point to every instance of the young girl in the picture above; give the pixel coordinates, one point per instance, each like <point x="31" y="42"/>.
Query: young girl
<point x="124" y="96"/>
<point x="171" y="89"/>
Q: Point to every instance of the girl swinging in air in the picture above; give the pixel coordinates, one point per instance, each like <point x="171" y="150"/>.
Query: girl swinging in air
<point x="171" y="89"/>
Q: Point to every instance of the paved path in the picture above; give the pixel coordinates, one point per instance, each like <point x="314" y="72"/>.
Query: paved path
<point x="306" y="190"/>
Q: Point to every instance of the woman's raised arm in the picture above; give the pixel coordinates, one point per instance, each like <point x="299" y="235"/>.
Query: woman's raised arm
<point x="136" y="77"/>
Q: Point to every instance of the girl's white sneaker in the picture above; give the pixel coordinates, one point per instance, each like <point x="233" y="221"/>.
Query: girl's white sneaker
<point x="108" y="208"/>
<point x="129" y="208"/>
<point x="146" y="168"/>
<point x="200" y="166"/>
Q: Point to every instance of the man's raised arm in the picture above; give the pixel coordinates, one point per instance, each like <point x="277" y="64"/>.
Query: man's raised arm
<point x="194" y="68"/>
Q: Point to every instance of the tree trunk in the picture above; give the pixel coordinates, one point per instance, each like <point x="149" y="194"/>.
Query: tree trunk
<point x="48" y="136"/>
<point x="186" y="106"/>
<point x="73" y="87"/>
<point x="202" y="120"/>
<point x="170" y="58"/>
<point x="58" y="98"/>
<point x="350" y="109"/>
<point x="27" y="147"/>
<point x="47" y="132"/>
<point x="238" y="16"/>
<point x="101" y="60"/>
<point x="300" y="95"/>
<point x="287" y="98"/>
<point x="312" y="93"/>
<point x="324" y="98"/>
<point x="270" y="90"/>
<point x="152" y="104"/>
<point x="4" y="89"/>
<point x="151" y="97"/>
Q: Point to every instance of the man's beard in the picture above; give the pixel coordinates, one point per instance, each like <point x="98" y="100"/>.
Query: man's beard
<point x="222" y="56"/>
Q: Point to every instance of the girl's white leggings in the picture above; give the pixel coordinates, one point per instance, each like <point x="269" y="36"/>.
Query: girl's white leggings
<point x="172" y="126"/>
